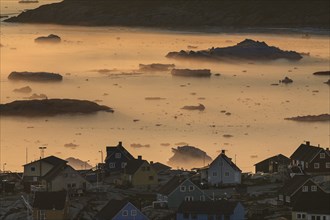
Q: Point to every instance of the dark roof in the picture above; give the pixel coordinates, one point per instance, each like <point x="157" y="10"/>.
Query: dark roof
<point x="54" y="172"/>
<point x="55" y="161"/>
<point x="133" y="165"/>
<point x="228" y="160"/>
<point x="50" y="200"/>
<point x="111" y="209"/>
<point x="293" y="184"/>
<point x="160" y="167"/>
<point x="171" y="185"/>
<point x="305" y="152"/>
<point x="219" y="207"/>
<point x="316" y="203"/>
<point x="279" y="158"/>
<point x="113" y="149"/>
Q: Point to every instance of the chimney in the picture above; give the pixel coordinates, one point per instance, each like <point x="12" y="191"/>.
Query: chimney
<point x="327" y="149"/>
<point x="151" y="162"/>
<point x="308" y="143"/>
<point x="139" y="157"/>
<point x="223" y="151"/>
<point x="120" y="144"/>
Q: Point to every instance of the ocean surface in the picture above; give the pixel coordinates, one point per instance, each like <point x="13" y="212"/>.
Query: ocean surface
<point x="254" y="130"/>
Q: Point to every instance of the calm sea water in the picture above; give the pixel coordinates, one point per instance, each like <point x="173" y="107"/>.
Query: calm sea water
<point x="243" y="89"/>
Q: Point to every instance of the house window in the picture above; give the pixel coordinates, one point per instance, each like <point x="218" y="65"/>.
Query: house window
<point x="73" y="185"/>
<point x="151" y="177"/>
<point x="118" y="155"/>
<point x="202" y="198"/>
<point x="42" y="214"/>
<point x="298" y="216"/>
<point x="280" y="197"/>
<point x="33" y="169"/>
<point x="191" y="188"/>
<point x="123" y="165"/>
<point x="322" y="155"/>
<point x="287" y="198"/>
<point x="316" y="165"/>
<point x="133" y="213"/>
<point x="182" y="188"/>
<point x="214" y="174"/>
<point x="314" y="188"/>
<point x="112" y="165"/>
<point x="306" y="164"/>
<point x="226" y="173"/>
<point x="327" y="165"/>
<point x="189" y="198"/>
<point x="125" y="213"/>
<point x="305" y="189"/>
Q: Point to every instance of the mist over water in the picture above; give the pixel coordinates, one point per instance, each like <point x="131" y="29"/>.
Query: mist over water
<point x="254" y="127"/>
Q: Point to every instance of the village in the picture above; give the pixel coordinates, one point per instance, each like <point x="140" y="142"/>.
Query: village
<point x="125" y="187"/>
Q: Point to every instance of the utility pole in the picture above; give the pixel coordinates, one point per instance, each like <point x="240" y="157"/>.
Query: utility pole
<point x="100" y="151"/>
<point x="26" y="155"/>
<point x="42" y="152"/>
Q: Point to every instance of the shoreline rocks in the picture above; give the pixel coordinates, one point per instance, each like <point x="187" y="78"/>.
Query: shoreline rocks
<point x="286" y="80"/>
<point x="247" y="50"/>
<point x="35" y="76"/>
<point x="50" y="107"/>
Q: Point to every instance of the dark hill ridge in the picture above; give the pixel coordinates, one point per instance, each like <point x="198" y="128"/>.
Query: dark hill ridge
<point x="247" y="49"/>
<point x="51" y="107"/>
<point x="190" y="14"/>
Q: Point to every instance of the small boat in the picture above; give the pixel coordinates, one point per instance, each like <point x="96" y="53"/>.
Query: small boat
<point x="28" y="1"/>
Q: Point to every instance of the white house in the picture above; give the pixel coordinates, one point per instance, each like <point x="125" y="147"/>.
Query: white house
<point x="222" y="171"/>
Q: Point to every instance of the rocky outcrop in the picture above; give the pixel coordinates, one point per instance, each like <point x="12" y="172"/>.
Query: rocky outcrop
<point x="197" y="14"/>
<point x="286" y="80"/>
<point x="199" y="107"/>
<point x="322" y="73"/>
<point x="311" y="118"/>
<point x="191" y="73"/>
<point x="50" y="107"/>
<point x="35" y="76"/>
<point x="327" y="82"/>
<point x="247" y="49"/>
<point x="154" y="67"/>
<point x="52" y="38"/>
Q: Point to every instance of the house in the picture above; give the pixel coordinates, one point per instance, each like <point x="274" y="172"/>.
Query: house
<point x="222" y="171"/>
<point x="160" y="168"/>
<point x="50" y="205"/>
<point x="312" y="207"/>
<point x="179" y="189"/>
<point x="34" y="171"/>
<point x="311" y="159"/>
<point x="277" y="163"/>
<point x="204" y="210"/>
<point x="117" y="158"/>
<point x="120" y="210"/>
<point x="297" y="186"/>
<point x="53" y="174"/>
<point x="139" y="173"/>
<point x="65" y="178"/>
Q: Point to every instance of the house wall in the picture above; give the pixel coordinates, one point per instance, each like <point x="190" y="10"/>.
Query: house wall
<point x="237" y="215"/>
<point x="262" y="167"/>
<point x="45" y="168"/>
<point x="119" y="163"/>
<point x="128" y="208"/>
<point x="322" y="164"/>
<point x="309" y="216"/>
<point x="50" y="214"/>
<point x="141" y="176"/>
<point x="220" y="167"/>
<point x="175" y="198"/>
<point x="65" y="177"/>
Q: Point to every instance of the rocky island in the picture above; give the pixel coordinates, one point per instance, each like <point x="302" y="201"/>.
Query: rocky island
<point x="183" y="14"/>
<point x="311" y="118"/>
<point x="50" y="107"/>
<point x="156" y="67"/>
<point x="52" y="38"/>
<point x="247" y="50"/>
<point x="35" y="76"/>
<point x="322" y="73"/>
<point x="191" y="73"/>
